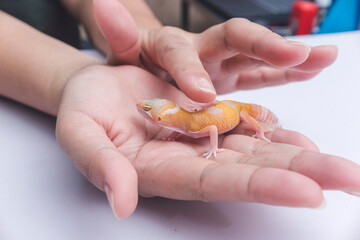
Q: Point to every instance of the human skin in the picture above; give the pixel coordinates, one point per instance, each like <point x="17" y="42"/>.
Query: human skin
<point x="237" y="54"/>
<point x="82" y="10"/>
<point x="34" y="67"/>
<point x="121" y="153"/>
<point x="101" y="131"/>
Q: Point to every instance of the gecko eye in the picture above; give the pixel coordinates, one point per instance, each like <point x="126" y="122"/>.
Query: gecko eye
<point x="147" y="107"/>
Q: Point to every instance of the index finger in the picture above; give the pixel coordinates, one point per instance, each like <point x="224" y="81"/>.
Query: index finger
<point x="240" y="36"/>
<point x="174" y="53"/>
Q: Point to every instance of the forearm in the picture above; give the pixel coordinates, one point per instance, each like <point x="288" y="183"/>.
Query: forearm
<point x="34" y="67"/>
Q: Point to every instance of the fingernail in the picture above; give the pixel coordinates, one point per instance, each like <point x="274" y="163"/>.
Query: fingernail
<point x="110" y="197"/>
<point x="356" y="194"/>
<point x="205" y="86"/>
<point x="300" y="44"/>
<point x="322" y="205"/>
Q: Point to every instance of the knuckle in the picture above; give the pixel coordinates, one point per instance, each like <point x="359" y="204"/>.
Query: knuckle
<point x="170" y="39"/>
<point x="172" y="42"/>
<point x="230" y="27"/>
<point x="296" y="160"/>
<point x="168" y="29"/>
<point x="201" y="190"/>
<point x="172" y="47"/>
<point x="235" y="23"/>
<point x="96" y="168"/>
<point x="259" y="147"/>
<point x="85" y="170"/>
<point x="252" y="193"/>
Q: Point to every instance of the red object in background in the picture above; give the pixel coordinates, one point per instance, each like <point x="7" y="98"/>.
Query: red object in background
<point x="303" y="17"/>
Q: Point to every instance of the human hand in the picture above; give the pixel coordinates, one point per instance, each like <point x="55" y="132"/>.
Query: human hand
<point x="234" y="55"/>
<point x="99" y="128"/>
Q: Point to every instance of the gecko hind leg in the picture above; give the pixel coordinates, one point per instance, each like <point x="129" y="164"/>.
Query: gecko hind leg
<point x="171" y="137"/>
<point x="254" y="125"/>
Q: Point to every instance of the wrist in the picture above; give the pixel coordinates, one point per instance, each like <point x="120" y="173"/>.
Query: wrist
<point x="55" y="88"/>
<point x="34" y="66"/>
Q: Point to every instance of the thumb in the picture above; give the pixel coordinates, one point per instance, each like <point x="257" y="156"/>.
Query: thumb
<point x="92" y="152"/>
<point x="119" y="30"/>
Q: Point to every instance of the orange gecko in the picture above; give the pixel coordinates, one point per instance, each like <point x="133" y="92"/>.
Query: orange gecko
<point x="220" y="117"/>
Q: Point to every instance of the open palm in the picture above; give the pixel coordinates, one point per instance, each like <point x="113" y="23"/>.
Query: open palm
<point x="120" y="152"/>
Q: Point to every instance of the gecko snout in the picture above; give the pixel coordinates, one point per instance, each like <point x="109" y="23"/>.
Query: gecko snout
<point x="144" y="105"/>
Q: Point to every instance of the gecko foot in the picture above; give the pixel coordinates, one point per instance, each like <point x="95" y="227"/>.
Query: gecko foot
<point x="261" y="135"/>
<point x="171" y="137"/>
<point x="211" y="152"/>
<point x="168" y="139"/>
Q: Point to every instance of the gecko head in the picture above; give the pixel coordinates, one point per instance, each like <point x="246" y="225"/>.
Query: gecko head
<point x="154" y="109"/>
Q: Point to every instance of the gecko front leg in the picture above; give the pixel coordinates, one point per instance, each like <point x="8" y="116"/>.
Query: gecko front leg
<point x="213" y="132"/>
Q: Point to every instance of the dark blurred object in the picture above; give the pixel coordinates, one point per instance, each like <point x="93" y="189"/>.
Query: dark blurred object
<point x="265" y="12"/>
<point x="48" y="16"/>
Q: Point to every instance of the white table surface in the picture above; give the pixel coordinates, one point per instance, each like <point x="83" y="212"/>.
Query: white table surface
<point x="43" y="196"/>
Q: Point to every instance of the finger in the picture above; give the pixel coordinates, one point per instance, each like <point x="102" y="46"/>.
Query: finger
<point x="330" y="172"/>
<point x="252" y="146"/>
<point x="279" y="135"/>
<point x="320" y="57"/>
<point x="265" y="76"/>
<point x="119" y="30"/>
<point x="192" y="178"/>
<point x="158" y="88"/>
<point x="162" y="90"/>
<point x="92" y="152"/>
<point x="255" y="41"/>
<point x="178" y="56"/>
<point x="240" y="63"/>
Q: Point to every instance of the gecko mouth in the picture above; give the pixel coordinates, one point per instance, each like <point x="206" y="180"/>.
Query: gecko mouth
<point x="147" y="116"/>
<point x="143" y="112"/>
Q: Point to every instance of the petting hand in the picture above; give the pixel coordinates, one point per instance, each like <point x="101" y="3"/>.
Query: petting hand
<point x="237" y="54"/>
<point x="99" y="128"/>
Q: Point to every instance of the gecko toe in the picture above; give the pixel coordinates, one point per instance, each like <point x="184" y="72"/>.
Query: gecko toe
<point x="212" y="152"/>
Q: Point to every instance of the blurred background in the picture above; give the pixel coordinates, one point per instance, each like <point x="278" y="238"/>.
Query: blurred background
<point x="170" y="13"/>
<point x="287" y="17"/>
